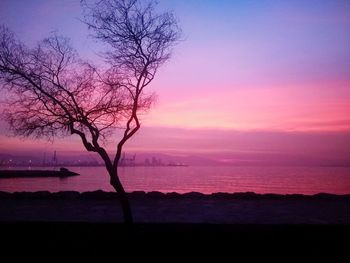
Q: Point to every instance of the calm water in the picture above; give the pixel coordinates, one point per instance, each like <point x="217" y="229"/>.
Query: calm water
<point x="281" y="180"/>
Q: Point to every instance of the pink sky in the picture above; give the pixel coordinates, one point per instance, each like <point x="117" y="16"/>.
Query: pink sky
<point x="302" y="107"/>
<point x="256" y="68"/>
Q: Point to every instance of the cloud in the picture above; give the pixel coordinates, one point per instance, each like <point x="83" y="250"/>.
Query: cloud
<point x="335" y="145"/>
<point x="225" y="146"/>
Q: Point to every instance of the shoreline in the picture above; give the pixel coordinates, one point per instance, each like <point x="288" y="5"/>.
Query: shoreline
<point x="103" y="195"/>
<point x="193" y="207"/>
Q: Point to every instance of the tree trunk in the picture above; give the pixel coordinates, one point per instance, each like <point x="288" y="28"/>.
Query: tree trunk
<point x="123" y="197"/>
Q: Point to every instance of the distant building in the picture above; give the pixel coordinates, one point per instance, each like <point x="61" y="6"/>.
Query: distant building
<point x="147" y="162"/>
<point x="125" y="161"/>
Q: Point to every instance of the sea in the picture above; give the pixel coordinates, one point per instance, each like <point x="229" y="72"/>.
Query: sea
<point x="203" y="179"/>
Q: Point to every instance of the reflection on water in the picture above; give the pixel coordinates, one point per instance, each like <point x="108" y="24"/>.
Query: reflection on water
<point x="281" y="180"/>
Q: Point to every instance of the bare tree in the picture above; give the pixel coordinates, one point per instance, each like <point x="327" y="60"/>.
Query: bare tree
<point x="52" y="92"/>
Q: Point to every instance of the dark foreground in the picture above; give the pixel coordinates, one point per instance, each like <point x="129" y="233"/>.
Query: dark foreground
<point x="219" y="226"/>
<point x="149" y="241"/>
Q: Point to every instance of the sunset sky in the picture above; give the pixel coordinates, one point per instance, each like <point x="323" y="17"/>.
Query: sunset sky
<point x="249" y="76"/>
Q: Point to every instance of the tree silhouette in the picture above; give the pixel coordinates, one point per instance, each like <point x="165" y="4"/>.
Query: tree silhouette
<point x="52" y="92"/>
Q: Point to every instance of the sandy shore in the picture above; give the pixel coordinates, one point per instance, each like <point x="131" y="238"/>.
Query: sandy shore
<point x="155" y="207"/>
